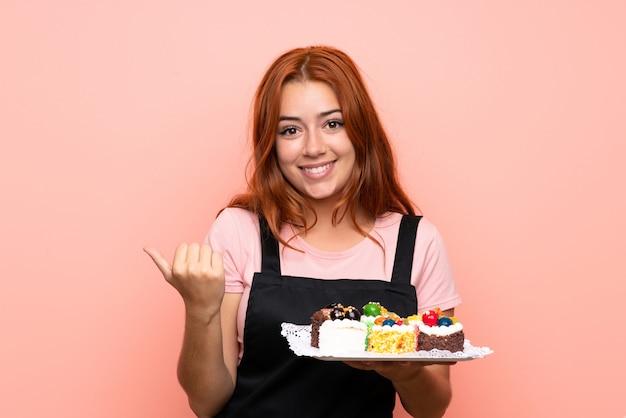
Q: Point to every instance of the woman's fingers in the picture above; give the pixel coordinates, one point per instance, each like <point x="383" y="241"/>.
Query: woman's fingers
<point x="193" y="253"/>
<point x="216" y="261"/>
<point x="162" y="264"/>
<point x="197" y="273"/>
<point x="191" y="261"/>
<point x="205" y="254"/>
<point x="179" y="263"/>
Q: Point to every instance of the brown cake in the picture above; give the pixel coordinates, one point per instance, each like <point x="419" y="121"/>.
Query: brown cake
<point x="336" y="329"/>
<point x="316" y="322"/>
<point x="436" y="331"/>
<point x="453" y="342"/>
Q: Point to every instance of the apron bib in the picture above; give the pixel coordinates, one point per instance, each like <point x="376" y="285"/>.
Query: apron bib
<point x="274" y="382"/>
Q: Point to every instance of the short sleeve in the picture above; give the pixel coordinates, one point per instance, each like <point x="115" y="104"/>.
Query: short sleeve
<point x="434" y="284"/>
<point x="234" y="234"/>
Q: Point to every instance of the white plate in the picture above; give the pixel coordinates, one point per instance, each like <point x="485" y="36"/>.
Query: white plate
<point x="299" y="339"/>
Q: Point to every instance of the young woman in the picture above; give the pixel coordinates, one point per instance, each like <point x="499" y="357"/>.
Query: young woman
<point x="324" y="220"/>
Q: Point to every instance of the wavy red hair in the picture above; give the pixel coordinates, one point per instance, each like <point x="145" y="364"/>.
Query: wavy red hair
<point x="374" y="185"/>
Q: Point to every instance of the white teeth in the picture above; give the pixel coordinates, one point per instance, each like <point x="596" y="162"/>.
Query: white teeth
<point x="317" y="170"/>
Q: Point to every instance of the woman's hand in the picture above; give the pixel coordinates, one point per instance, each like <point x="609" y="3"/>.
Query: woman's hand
<point x="197" y="273"/>
<point x="392" y="370"/>
<point x="424" y="388"/>
<point x="396" y="371"/>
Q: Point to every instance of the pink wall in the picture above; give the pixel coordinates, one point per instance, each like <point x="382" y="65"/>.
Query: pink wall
<point x="124" y="123"/>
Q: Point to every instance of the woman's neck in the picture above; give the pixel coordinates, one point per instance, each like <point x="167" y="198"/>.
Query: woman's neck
<point x="328" y="236"/>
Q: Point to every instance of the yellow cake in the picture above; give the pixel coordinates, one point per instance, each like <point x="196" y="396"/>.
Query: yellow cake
<point x="388" y="332"/>
<point x="392" y="339"/>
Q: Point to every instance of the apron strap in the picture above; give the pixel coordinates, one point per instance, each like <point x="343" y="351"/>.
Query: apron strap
<point x="403" y="262"/>
<point x="270" y="261"/>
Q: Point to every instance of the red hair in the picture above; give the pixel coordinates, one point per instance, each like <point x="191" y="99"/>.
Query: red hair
<point x="374" y="185"/>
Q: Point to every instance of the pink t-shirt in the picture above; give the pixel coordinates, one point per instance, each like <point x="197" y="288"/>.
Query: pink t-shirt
<point x="236" y="235"/>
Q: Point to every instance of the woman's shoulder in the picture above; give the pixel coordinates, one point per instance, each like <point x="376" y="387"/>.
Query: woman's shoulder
<point x="238" y="214"/>
<point x="388" y="225"/>
<point x="390" y="219"/>
<point x="235" y="221"/>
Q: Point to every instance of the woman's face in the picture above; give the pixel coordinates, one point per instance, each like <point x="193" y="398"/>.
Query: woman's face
<point x="313" y="149"/>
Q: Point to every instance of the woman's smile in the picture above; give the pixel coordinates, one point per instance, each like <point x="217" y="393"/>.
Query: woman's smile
<point x="318" y="171"/>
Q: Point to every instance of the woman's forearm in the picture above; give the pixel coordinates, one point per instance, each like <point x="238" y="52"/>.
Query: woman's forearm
<point x="427" y="394"/>
<point x="201" y="369"/>
<point x="207" y="365"/>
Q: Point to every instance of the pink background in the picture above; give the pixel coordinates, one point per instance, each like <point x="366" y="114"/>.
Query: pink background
<point x="124" y="123"/>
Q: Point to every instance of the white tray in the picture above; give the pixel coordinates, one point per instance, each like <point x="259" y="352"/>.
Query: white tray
<point x="299" y="339"/>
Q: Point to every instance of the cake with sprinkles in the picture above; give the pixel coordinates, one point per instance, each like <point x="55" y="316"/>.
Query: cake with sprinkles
<point x="388" y="333"/>
<point x="336" y="329"/>
<point x="436" y="331"/>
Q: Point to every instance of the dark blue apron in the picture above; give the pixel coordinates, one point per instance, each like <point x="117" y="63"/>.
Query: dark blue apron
<point x="274" y="382"/>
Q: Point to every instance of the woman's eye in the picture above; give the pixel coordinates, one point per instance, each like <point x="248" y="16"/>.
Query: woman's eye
<point x="334" y="124"/>
<point x="287" y="131"/>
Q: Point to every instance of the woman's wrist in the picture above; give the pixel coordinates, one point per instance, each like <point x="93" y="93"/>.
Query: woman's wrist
<point x="200" y="315"/>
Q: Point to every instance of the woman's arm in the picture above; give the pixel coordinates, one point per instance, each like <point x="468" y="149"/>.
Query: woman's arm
<point x="209" y="355"/>
<point x="424" y="391"/>
<point x="207" y="365"/>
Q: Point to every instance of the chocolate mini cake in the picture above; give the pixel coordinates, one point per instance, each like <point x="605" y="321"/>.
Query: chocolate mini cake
<point x="453" y="342"/>
<point x="336" y="329"/>
<point x="436" y="331"/>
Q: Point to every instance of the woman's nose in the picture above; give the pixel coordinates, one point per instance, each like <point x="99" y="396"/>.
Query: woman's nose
<point x="314" y="144"/>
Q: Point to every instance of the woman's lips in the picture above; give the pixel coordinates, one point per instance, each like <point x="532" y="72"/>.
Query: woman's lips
<point x="318" y="169"/>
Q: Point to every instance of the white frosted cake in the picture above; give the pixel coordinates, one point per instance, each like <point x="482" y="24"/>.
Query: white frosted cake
<point x="341" y="336"/>
<point x="336" y="329"/>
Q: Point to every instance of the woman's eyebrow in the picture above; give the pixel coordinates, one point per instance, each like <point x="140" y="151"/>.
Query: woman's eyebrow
<point x="321" y="115"/>
<point x="329" y="112"/>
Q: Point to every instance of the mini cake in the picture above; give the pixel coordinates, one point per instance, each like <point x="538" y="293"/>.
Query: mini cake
<point x="387" y="332"/>
<point x="392" y="338"/>
<point x="336" y="329"/>
<point x="436" y="331"/>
